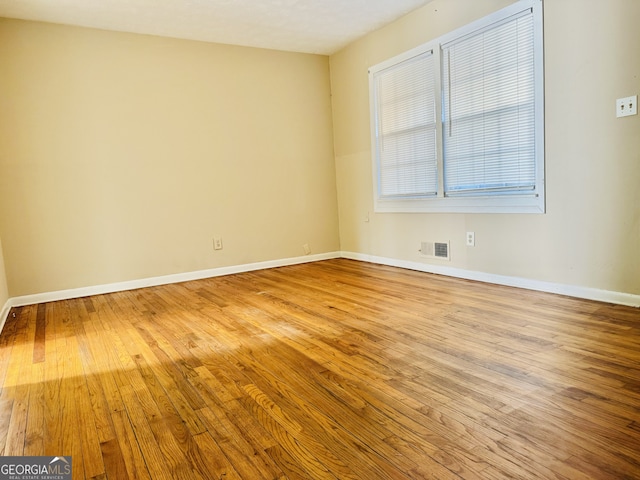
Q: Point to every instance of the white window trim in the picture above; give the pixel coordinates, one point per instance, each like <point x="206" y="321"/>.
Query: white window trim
<point x="525" y="203"/>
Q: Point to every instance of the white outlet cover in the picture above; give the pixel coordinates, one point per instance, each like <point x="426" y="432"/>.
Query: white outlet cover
<point x="471" y="239"/>
<point x="627" y="106"/>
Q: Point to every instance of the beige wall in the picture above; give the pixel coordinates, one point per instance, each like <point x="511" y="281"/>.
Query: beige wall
<point x="590" y="236"/>
<point x="121" y="156"/>
<point x="4" y="291"/>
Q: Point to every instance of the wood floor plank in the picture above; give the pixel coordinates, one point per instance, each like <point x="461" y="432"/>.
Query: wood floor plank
<point x="159" y="467"/>
<point x="333" y="369"/>
<point x="18" y="383"/>
<point x="212" y="460"/>
<point x="113" y="459"/>
<point x="129" y="449"/>
<point x="248" y="460"/>
<point x="34" y="439"/>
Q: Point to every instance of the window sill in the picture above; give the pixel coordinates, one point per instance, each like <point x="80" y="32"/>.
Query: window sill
<point x="500" y="204"/>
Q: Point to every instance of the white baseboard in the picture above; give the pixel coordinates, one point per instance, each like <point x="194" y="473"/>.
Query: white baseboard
<point x="4" y="313"/>
<point x="570" y="290"/>
<point x="163" y="280"/>
<point x="619" y="298"/>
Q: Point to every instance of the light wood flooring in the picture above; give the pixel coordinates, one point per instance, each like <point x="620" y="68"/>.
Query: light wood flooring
<point x="335" y="369"/>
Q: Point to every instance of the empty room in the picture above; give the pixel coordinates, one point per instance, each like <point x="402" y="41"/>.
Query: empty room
<point x="269" y="239"/>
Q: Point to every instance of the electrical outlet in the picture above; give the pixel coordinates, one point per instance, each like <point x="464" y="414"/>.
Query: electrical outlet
<point x="217" y="243"/>
<point x="627" y="106"/>
<point x="471" y="239"/>
<point x="306" y="248"/>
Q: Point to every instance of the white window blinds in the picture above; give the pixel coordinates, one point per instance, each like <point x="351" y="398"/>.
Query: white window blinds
<point x="489" y="110"/>
<point x="457" y="124"/>
<point x="405" y="128"/>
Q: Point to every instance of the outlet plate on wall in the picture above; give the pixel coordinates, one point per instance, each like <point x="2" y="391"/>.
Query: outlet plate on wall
<point x="471" y="239"/>
<point x="627" y="106"/>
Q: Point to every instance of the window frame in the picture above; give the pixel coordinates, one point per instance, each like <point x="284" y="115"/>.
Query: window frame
<point x="529" y="202"/>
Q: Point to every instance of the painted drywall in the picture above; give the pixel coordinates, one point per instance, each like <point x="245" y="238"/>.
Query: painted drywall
<point x="4" y="291"/>
<point x="590" y="235"/>
<point x="122" y="155"/>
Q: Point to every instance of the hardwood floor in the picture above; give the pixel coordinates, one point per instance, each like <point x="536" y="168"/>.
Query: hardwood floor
<point x="336" y="369"/>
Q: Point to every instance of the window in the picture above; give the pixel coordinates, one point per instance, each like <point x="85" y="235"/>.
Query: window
<point x="457" y="124"/>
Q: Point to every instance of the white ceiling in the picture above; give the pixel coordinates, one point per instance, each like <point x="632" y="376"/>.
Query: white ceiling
<point x="310" y="26"/>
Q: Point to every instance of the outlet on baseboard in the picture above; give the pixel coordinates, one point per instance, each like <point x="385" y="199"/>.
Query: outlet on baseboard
<point x="306" y="248"/>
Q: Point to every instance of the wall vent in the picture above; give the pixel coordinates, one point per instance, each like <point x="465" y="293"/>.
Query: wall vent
<point x="435" y="250"/>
